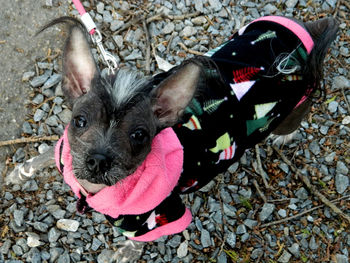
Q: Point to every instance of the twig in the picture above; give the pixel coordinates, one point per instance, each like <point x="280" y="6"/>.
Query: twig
<point x="346" y="100"/>
<point x="263" y="197"/>
<point x="182" y="17"/>
<point x="260" y="169"/>
<point x="344" y="2"/>
<point x="311" y="187"/>
<point x="30" y="139"/>
<point x="190" y="51"/>
<point x="2" y="41"/>
<point x="129" y="24"/>
<point x="148" y="48"/>
<point x="169" y="42"/>
<point x="336" y="9"/>
<point x="302" y="213"/>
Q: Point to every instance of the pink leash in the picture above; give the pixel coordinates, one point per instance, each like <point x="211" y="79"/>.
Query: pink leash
<point x="96" y="36"/>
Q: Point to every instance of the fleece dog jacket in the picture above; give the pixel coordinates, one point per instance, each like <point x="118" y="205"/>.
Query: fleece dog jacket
<point x="258" y="81"/>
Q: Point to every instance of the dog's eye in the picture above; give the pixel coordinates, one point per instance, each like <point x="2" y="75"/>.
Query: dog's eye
<point x="139" y="136"/>
<point x="79" y="121"/>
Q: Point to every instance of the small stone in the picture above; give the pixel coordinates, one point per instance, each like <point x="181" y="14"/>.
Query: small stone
<point x="312" y="243"/>
<point x="241" y="229"/>
<point x="314" y="147"/>
<point x="175" y="241"/>
<point x="26" y="128"/>
<point x="27" y="76"/>
<point x="215" y="5"/>
<point x="341" y="183"/>
<point x="68" y="225"/>
<point x="182" y="249"/>
<point x="245" y="237"/>
<point x="340" y="82"/>
<point x="341" y="258"/>
<point x="341" y="168"/>
<point x="115" y="25"/>
<point x="5" y="247"/>
<point x="17" y="250"/>
<point x="40" y="226"/>
<point x="231" y="239"/>
<point x="270" y="9"/>
<point x="43" y="148"/>
<point x="285" y="257"/>
<point x="256" y="253"/>
<point x="284" y="167"/>
<point x="33" y="240"/>
<point x="266" y="211"/>
<point x="250" y="223"/>
<point x="294" y="249"/>
<point x="291" y="3"/>
<point x="199" y="20"/>
<point x="64" y="258"/>
<point x="282" y="213"/>
<point x="52" y="121"/>
<point x="40" y="80"/>
<point x="346" y="120"/>
<point x="52" y="81"/>
<point x="96" y="243"/>
<point x="168" y="28"/>
<point x="18" y="216"/>
<point x="333" y="106"/>
<point x="198" y="5"/>
<point x="53" y="235"/>
<point x="188" y="31"/>
<point x="324" y="130"/>
<point x="135" y="54"/>
<point x="100" y="7"/>
<point x="39" y="115"/>
<point x="205" y="238"/>
<point x="302" y="193"/>
<point x="30" y="186"/>
<point x="330" y="157"/>
<point x="98" y="217"/>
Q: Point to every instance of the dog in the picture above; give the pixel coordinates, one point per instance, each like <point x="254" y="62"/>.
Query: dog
<point x="136" y="143"/>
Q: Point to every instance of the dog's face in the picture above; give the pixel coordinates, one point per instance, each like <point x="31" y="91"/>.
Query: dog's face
<point x="115" y="117"/>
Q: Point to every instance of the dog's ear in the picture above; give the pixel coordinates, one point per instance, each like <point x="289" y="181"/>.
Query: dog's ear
<point x="174" y="94"/>
<point x="78" y="65"/>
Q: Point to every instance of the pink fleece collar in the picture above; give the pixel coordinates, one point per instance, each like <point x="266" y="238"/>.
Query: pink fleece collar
<point x="140" y="192"/>
<point x="293" y="26"/>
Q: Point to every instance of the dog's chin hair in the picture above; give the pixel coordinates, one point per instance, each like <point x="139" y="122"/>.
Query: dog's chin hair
<point x="280" y="140"/>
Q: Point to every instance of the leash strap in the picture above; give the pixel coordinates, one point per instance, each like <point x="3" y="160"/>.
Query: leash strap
<point x="96" y="37"/>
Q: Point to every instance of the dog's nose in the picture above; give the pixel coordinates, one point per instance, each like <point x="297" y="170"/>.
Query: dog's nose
<point x="98" y="163"/>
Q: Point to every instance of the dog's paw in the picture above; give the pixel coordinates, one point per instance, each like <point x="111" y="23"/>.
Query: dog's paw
<point x="280" y="140"/>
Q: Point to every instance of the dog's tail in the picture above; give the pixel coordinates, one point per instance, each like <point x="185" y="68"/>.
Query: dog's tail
<point x="323" y="33"/>
<point x="70" y="21"/>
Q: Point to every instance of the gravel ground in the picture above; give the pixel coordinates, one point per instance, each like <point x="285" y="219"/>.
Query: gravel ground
<point x="237" y="217"/>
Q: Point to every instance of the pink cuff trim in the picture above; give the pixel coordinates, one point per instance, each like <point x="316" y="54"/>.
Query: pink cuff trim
<point x="293" y="26"/>
<point x="168" y="229"/>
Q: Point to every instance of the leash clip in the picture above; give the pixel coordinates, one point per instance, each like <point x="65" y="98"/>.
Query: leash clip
<point x="107" y="57"/>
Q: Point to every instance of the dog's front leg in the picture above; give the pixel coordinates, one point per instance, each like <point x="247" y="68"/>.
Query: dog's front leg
<point x="25" y="171"/>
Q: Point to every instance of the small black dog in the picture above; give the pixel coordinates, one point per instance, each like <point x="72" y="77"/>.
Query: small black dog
<point x="259" y="82"/>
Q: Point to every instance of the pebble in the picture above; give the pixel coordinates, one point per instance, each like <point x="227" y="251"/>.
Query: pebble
<point x="53" y="235"/>
<point x="285" y="257"/>
<point x="241" y="229"/>
<point x="52" y="81"/>
<point x="340" y="82"/>
<point x="188" y="31"/>
<point x="342" y="168"/>
<point x="312" y="243"/>
<point x="341" y="183"/>
<point x="205" y="238"/>
<point x="68" y="225"/>
<point x="38" y="99"/>
<point x="266" y="211"/>
<point x="40" y="80"/>
<point x="333" y="106"/>
<point x="291" y="3"/>
<point x="314" y="147"/>
<point x="18" y="216"/>
<point x="39" y="115"/>
<point x="341" y="258"/>
<point x="33" y="240"/>
<point x="182" y="249"/>
<point x="302" y="193"/>
<point x="231" y="239"/>
<point x="282" y="213"/>
<point x="27" y="76"/>
<point x="295" y="250"/>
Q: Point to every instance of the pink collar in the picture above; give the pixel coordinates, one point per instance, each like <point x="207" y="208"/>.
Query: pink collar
<point x="140" y="192"/>
<point x="293" y="26"/>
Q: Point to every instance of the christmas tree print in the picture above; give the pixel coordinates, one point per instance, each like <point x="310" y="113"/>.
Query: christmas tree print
<point x="212" y="105"/>
<point x="194" y="108"/>
<point x="222" y="143"/>
<point x="262" y="109"/>
<point x="240" y="89"/>
<point x="269" y="34"/>
<point x="245" y="74"/>
<point x="292" y="78"/>
<point x="227" y="153"/>
<point x="193" y="124"/>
